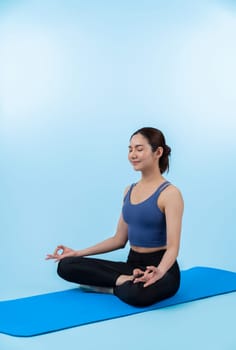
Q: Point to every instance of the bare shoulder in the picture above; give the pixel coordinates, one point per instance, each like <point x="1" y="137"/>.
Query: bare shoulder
<point x="172" y="190"/>
<point x="126" y="190"/>
<point x="172" y="194"/>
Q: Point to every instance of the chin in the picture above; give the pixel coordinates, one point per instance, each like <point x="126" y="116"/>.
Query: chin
<point x="136" y="168"/>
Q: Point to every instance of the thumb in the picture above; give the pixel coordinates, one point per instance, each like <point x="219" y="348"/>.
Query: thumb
<point x="137" y="272"/>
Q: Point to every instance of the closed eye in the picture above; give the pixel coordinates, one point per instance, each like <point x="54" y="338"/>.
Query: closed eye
<point x="138" y="148"/>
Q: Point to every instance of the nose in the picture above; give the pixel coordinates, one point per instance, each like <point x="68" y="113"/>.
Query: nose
<point x="132" y="154"/>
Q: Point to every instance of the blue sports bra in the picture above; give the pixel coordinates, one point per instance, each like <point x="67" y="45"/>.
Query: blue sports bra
<point x="146" y="222"/>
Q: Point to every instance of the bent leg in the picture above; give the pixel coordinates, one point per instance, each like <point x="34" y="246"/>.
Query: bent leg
<point x="137" y="295"/>
<point x="90" y="271"/>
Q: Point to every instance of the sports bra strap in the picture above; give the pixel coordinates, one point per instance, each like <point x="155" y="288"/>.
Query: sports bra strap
<point x="163" y="186"/>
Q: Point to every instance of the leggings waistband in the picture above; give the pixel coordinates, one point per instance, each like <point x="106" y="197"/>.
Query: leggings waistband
<point x="145" y="259"/>
<point x="157" y="253"/>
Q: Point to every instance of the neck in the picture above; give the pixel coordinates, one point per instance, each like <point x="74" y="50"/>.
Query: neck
<point x="153" y="176"/>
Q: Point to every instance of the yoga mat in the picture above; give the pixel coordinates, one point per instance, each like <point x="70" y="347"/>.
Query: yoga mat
<point x="52" y="312"/>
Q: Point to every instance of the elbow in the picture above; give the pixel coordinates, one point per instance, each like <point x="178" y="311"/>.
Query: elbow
<point x="117" y="243"/>
<point x="122" y="245"/>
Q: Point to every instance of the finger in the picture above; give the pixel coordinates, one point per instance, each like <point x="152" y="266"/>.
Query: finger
<point x="147" y="274"/>
<point x="49" y="256"/>
<point x="149" y="282"/>
<point x="140" y="279"/>
<point x="152" y="280"/>
<point x="150" y="268"/>
<point x="138" y="275"/>
<point x="59" y="258"/>
<point x="58" y="248"/>
<point x="62" y="256"/>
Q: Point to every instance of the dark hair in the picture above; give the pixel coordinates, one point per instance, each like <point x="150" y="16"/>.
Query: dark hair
<point x="156" y="139"/>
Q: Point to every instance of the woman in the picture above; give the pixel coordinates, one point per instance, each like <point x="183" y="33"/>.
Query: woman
<point x="150" y="220"/>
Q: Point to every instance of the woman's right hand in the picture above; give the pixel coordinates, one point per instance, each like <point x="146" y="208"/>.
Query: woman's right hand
<point x="61" y="252"/>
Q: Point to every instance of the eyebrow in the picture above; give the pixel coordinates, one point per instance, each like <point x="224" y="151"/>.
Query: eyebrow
<point x="136" y="146"/>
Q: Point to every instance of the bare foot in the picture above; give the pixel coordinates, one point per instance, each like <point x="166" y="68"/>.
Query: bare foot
<point x="124" y="278"/>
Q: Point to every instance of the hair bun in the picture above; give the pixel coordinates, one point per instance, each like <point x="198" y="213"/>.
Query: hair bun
<point x="167" y="150"/>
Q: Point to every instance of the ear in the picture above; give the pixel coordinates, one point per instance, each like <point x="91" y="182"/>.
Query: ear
<point x="159" y="152"/>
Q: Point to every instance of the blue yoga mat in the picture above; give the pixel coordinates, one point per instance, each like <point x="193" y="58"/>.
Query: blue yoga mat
<point x="70" y="308"/>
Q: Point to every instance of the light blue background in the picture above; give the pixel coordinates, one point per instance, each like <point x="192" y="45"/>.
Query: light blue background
<point x="77" y="78"/>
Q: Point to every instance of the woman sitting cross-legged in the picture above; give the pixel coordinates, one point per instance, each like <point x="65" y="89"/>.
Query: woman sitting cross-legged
<point x="150" y="221"/>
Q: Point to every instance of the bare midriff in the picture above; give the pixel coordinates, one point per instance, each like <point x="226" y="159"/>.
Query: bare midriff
<point x="147" y="250"/>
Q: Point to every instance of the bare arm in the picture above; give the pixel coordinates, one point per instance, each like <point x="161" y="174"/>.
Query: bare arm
<point x="173" y="207"/>
<point x="172" y="204"/>
<point x="115" y="242"/>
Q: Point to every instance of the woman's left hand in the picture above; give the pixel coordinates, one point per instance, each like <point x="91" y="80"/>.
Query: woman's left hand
<point x="151" y="275"/>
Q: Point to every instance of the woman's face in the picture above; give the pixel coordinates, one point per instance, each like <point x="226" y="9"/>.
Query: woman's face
<point x="140" y="153"/>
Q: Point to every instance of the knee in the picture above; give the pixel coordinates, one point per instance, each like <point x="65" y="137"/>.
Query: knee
<point x="134" y="294"/>
<point x="64" y="267"/>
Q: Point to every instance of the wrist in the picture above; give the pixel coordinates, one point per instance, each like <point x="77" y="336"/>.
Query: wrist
<point x="79" y="253"/>
<point x="161" y="272"/>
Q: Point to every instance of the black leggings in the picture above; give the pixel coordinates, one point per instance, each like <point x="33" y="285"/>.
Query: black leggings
<point x="104" y="273"/>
